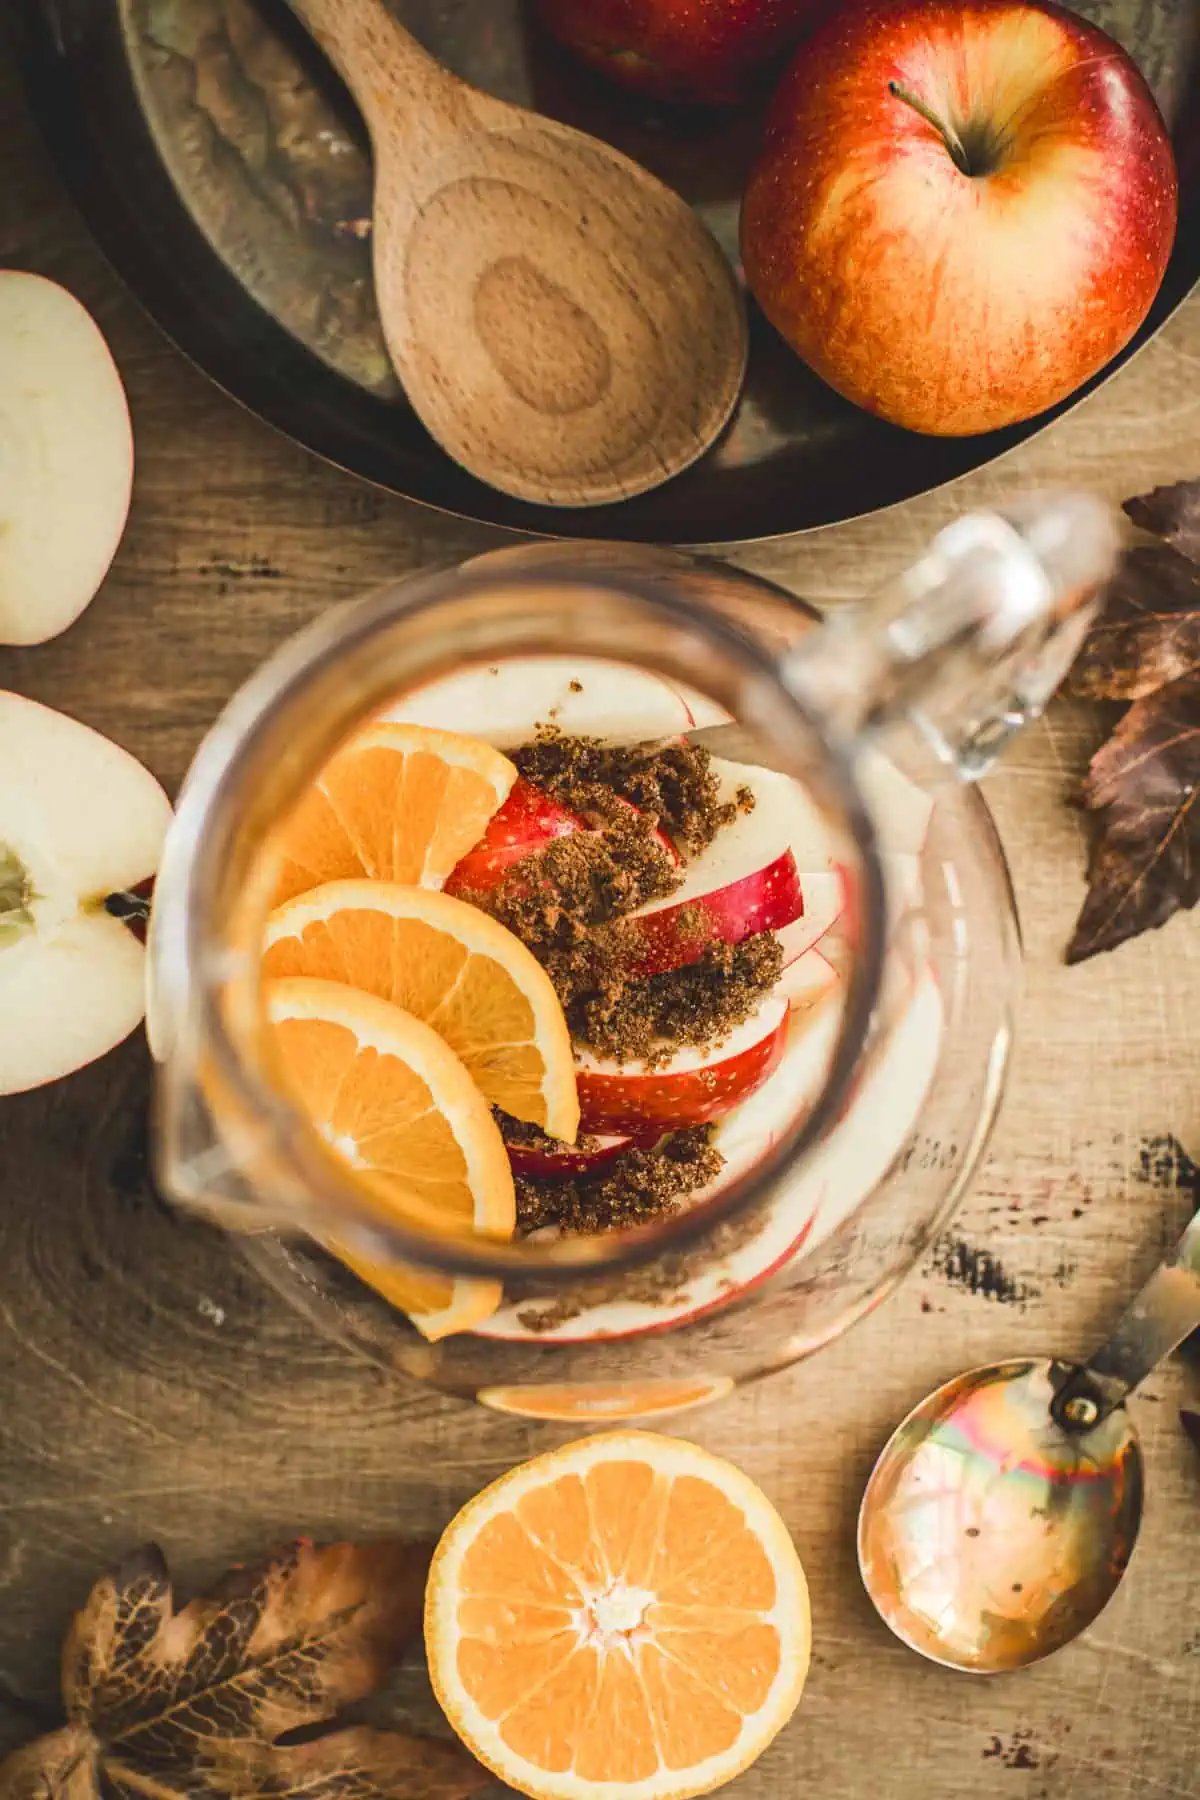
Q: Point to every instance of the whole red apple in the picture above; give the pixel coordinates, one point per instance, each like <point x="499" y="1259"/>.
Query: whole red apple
<point x="705" y="51"/>
<point x="963" y="208"/>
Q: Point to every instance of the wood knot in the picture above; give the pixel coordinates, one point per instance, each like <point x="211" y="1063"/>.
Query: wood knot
<point x="542" y="343"/>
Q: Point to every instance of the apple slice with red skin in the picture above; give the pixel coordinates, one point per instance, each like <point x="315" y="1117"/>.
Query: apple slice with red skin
<point x="824" y="895"/>
<point x="692" y="1088"/>
<point x="557" y="1162"/>
<point x="745" y="881"/>
<point x="813" y="1200"/>
<point x="528" y="820"/>
<point x="676" y="934"/>
<point x="81" y="822"/>
<point x="806" y="980"/>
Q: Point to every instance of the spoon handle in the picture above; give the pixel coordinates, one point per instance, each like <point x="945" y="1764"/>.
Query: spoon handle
<point x="381" y="63"/>
<point x="1166" y="1311"/>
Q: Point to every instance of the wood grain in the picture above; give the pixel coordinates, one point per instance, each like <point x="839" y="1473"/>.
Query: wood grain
<point x="563" y="324"/>
<point x="149" y="1387"/>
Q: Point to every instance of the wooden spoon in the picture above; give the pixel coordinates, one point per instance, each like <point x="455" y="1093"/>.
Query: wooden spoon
<point x="563" y="324"/>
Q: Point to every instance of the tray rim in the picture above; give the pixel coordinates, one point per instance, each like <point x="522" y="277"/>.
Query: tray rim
<point x="44" y="37"/>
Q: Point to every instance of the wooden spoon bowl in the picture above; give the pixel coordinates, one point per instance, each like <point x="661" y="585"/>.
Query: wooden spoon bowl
<point x="563" y="324"/>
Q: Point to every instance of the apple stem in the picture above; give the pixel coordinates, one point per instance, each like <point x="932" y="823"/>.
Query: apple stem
<point x="949" y="137"/>
<point x="131" y="909"/>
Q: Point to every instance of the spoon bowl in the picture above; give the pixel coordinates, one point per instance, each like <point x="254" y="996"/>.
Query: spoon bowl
<point x="1003" y="1512"/>
<point x="989" y="1536"/>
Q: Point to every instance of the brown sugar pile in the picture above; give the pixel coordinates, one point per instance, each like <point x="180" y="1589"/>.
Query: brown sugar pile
<point x="694" y="1006"/>
<point x="567" y="901"/>
<point x="632" y="1189"/>
<point x="672" y="785"/>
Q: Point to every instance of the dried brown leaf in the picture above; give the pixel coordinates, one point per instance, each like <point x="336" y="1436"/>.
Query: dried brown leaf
<point x="358" y="1764"/>
<point x="60" y="1766"/>
<point x="1148" y="632"/>
<point x="1144" y="787"/>
<point x="164" y="1704"/>
<point x="1171" y="513"/>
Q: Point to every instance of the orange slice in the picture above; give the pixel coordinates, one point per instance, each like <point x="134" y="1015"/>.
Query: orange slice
<point x="603" y="1402"/>
<point x="452" y="966"/>
<point x="399" y="802"/>
<point x="394" y="1102"/>
<point x="626" y="1616"/>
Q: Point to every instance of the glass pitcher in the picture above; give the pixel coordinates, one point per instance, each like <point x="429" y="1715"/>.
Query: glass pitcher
<point x="889" y="1048"/>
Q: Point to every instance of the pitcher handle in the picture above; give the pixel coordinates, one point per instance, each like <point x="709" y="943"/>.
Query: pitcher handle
<point x="972" y="640"/>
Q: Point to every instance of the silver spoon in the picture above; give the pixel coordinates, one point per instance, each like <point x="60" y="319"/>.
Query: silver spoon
<point x="1002" y="1513"/>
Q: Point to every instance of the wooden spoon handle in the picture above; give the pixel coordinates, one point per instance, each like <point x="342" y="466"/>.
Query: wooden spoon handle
<point x="382" y="64"/>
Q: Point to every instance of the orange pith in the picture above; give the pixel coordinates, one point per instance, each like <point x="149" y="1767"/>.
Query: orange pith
<point x="451" y="966"/>
<point x="391" y="1100"/>
<point x="399" y="803"/>
<point x="627" y="1615"/>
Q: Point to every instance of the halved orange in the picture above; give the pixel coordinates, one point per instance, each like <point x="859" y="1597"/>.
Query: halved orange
<point x="394" y="1102"/>
<point x="625" y="1616"/>
<point x="450" y="965"/>
<point x="399" y="802"/>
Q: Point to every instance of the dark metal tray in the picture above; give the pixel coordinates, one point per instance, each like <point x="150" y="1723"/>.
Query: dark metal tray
<point x="223" y="170"/>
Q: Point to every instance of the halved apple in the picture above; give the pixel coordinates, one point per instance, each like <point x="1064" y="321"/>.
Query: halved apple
<point x="692" y="1086"/>
<point x="588" y="696"/>
<point x="80" y="820"/>
<point x="67" y="458"/>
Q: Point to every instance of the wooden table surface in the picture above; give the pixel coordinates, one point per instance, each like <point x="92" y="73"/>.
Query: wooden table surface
<point x="148" y="1387"/>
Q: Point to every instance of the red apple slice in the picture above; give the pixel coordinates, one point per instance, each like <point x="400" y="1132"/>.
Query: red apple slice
<point x="691" y="1088"/>
<point x="745" y="881"/>
<point x="67" y="458"/>
<point x="79" y="820"/>
<point x="560" y="1161"/>
<point x="589" y="696"/>
<point x="702" y="711"/>
<point x="528" y="821"/>
<point x="674" y="933"/>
